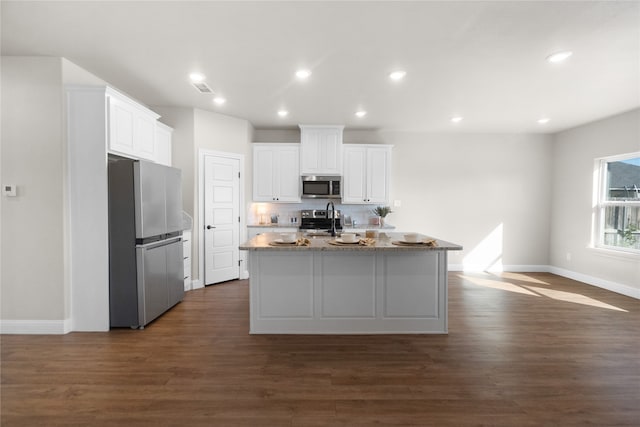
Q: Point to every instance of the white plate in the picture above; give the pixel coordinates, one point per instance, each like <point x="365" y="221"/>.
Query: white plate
<point x="339" y="240"/>
<point x="282" y="242"/>
<point x="404" y="242"/>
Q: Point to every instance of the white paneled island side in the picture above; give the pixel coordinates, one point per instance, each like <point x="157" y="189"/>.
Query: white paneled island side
<point x="325" y="288"/>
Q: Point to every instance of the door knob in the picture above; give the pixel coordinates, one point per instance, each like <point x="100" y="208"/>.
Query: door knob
<point x="209" y="227"/>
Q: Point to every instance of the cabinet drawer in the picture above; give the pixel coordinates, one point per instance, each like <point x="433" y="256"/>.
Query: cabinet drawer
<point x="187" y="267"/>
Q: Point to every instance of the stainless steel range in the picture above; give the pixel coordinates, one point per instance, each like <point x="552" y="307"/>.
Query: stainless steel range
<point x="314" y="219"/>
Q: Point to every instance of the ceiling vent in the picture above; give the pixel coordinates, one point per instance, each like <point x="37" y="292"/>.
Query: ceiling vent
<point x="202" y="87"/>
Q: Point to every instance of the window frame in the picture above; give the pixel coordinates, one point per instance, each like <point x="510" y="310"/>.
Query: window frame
<point x="601" y="204"/>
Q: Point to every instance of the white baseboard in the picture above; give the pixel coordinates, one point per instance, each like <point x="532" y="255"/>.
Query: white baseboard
<point x="589" y="280"/>
<point x="244" y="274"/>
<point x="511" y="268"/>
<point x="196" y="284"/>
<point x="595" y="281"/>
<point x="35" y="327"/>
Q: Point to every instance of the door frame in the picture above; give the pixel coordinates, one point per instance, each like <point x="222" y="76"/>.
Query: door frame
<point x="202" y="153"/>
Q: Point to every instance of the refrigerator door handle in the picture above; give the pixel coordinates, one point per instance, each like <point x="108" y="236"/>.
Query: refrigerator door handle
<point x="159" y="243"/>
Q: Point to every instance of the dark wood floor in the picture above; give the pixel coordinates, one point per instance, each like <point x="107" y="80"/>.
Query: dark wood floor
<point x="522" y="350"/>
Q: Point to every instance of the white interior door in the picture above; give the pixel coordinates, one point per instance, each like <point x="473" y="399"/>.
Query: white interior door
<point x="221" y="219"/>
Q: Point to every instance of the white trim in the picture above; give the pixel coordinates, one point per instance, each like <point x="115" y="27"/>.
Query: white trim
<point x="509" y="268"/>
<point x="584" y="278"/>
<point x="243" y="229"/>
<point x="615" y="253"/>
<point x="595" y="281"/>
<point x="35" y="327"/>
<point x="196" y="284"/>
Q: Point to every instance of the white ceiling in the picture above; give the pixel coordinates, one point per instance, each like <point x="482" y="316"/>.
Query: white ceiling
<point x="482" y="60"/>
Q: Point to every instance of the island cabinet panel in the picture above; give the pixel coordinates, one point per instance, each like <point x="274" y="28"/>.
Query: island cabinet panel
<point x="287" y="296"/>
<point x="348" y="288"/>
<point x="405" y="291"/>
<point x="352" y="291"/>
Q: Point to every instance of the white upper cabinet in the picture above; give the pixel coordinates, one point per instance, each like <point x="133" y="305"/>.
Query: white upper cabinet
<point x="367" y="169"/>
<point x="276" y="172"/>
<point x="320" y="150"/>
<point x="132" y="127"/>
<point x="163" y="144"/>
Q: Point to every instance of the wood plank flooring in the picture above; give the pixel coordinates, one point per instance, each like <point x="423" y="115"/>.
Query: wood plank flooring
<point x="522" y="350"/>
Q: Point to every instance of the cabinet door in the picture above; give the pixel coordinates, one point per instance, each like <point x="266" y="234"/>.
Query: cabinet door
<point x="310" y="156"/>
<point x="378" y="160"/>
<point x="121" y="126"/>
<point x="276" y="173"/>
<point x="163" y="144"/>
<point x="330" y="152"/>
<point x="288" y="174"/>
<point x="321" y="150"/>
<point x="144" y="136"/>
<point x="354" y="178"/>
<point x="263" y="174"/>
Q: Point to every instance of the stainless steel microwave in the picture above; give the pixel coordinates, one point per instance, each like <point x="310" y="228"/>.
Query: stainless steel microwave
<point x="321" y="187"/>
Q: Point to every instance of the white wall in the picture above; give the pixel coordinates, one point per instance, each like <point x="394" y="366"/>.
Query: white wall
<point x="489" y="193"/>
<point x="574" y="152"/>
<point x="182" y="149"/>
<point x="32" y="270"/>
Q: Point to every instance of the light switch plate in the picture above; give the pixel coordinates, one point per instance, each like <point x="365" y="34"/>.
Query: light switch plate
<point x="9" y="190"/>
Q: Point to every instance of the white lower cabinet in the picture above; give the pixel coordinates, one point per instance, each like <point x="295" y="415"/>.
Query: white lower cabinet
<point x="186" y="251"/>
<point x="367" y="169"/>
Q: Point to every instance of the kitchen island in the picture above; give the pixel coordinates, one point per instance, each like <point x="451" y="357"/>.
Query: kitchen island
<point x="329" y="288"/>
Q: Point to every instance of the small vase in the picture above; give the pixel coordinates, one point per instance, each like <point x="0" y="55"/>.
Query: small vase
<point x="381" y="221"/>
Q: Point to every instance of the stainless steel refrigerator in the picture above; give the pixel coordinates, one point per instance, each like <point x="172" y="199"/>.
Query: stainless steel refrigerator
<point x="145" y="241"/>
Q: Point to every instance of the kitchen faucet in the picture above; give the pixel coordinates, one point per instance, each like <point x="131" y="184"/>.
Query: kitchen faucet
<point x="333" y="218"/>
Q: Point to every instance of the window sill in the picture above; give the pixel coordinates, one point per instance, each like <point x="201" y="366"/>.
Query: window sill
<point x="613" y="253"/>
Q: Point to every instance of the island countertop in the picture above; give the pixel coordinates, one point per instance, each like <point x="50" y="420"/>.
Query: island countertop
<point x="384" y="242"/>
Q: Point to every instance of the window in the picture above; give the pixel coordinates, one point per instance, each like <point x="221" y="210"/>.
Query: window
<point x="618" y="207"/>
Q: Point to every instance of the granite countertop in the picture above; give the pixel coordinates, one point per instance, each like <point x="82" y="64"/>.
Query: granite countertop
<point x="275" y="225"/>
<point x="321" y="243"/>
<point x="345" y="227"/>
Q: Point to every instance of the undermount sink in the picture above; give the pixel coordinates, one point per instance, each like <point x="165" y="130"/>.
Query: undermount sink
<point x="325" y="233"/>
<point x="317" y="234"/>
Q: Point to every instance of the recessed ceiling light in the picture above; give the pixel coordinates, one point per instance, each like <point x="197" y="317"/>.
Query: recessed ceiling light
<point x="559" y="56"/>
<point x="361" y="113"/>
<point x="197" y="77"/>
<point x="456" y="119"/>
<point x="283" y="113"/>
<point x="397" y="75"/>
<point x="543" y="120"/>
<point x="219" y="100"/>
<point x="303" y="74"/>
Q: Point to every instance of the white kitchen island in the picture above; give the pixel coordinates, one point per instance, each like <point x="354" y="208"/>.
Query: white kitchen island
<point x="348" y="289"/>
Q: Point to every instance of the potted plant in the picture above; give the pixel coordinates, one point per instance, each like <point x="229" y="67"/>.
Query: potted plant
<point x="382" y="212"/>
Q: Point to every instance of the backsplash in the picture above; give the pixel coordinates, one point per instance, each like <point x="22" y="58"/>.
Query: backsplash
<point x="289" y="213"/>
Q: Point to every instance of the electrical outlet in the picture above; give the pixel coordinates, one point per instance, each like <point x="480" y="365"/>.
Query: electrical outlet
<point x="9" y="190"/>
<point x="397" y="203"/>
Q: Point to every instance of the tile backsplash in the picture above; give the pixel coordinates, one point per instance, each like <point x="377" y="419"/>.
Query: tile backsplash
<point x="289" y="213"/>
